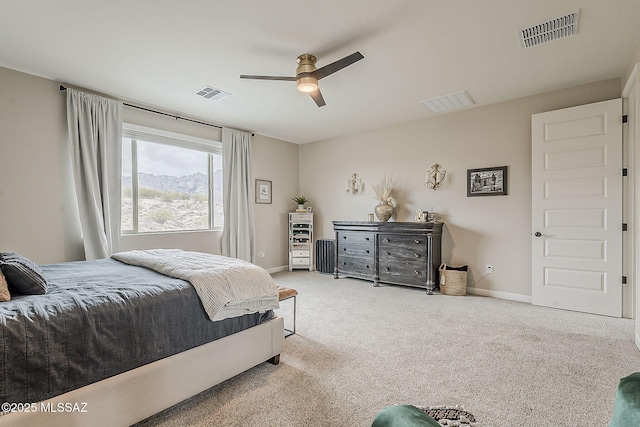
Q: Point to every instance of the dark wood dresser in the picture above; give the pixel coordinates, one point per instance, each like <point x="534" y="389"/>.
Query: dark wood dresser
<point x="401" y="253"/>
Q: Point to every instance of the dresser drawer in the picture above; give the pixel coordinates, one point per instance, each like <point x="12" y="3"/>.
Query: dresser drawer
<point x="300" y="217"/>
<point x="395" y="242"/>
<point x="300" y="261"/>
<point x="409" y="256"/>
<point x="362" y="251"/>
<point x="403" y="274"/>
<point x="355" y="238"/>
<point x="299" y="254"/>
<point x="361" y="255"/>
<point x="358" y="266"/>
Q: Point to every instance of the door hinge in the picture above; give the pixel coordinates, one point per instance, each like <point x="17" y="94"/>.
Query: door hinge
<point x="624" y="227"/>
<point x="625" y="119"/>
<point x="624" y="280"/>
<point x="625" y="171"/>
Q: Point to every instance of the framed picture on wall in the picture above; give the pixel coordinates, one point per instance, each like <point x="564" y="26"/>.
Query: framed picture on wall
<point x="487" y="181"/>
<point x="263" y="191"/>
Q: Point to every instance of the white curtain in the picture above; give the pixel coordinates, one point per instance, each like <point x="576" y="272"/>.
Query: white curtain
<point x="238" y="236"/>
<point x="95" y="133"/>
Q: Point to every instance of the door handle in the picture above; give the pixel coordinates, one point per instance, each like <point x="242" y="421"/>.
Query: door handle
<point x="538" y="234"/>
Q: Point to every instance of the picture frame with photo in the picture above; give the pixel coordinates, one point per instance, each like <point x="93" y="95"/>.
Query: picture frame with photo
<point x="487" y="181"/>
<point x="263" y="191"/>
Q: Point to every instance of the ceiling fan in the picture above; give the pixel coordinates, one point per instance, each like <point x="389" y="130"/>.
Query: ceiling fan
<point x="307" y="75"/>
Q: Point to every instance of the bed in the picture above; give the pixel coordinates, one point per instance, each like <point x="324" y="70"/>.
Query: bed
<point x="107" y="334"/>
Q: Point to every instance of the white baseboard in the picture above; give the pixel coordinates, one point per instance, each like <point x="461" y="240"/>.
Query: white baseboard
<point x="470" y="290"/>
<point x="277" y="269"/>
<point x="499" y="295"/>
<point x="286" y="268"/>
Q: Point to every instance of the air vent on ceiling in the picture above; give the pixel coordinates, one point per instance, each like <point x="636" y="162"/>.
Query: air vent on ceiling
<point x="554" y="29"/>
<point x="212" y="93"/>
<point x="449" y="102"/>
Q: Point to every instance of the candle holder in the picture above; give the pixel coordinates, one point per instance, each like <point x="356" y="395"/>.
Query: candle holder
<point x="435" y="177"/>
<point x="354" y="184"/>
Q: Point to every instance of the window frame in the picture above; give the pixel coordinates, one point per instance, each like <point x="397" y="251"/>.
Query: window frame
<point x="159" y="136"/>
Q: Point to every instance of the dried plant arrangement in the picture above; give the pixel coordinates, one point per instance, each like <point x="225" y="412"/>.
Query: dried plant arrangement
<point x="384" y="190"/>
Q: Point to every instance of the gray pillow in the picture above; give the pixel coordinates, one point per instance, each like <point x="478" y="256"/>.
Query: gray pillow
<point x="23" y="275"/>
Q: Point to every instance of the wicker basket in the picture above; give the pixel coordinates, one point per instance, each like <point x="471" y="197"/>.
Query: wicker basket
<point x="453" y="280"/>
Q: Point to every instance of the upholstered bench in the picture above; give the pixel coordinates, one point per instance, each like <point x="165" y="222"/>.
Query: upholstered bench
<point x="285" y="294"/>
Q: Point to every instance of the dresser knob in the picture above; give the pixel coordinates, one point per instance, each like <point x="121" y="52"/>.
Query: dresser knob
<point x="417" y="241"/>
<point x="344" y="249"/>
<point x="367" y="266"/>
<point x="417" y="255"/>
<point x="367" y="251"/>
<point x="388" y="253"/>
<point x="366" y="238"/>
<point x="417" y="272"/>
<point x="386" y="269"/>
<point x="386" y="240"/>
<point x="344" y="263"/>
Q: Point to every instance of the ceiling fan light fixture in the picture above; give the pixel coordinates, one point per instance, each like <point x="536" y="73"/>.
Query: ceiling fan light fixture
<point x="307" y="84"/>
<point x="307" y="75"/>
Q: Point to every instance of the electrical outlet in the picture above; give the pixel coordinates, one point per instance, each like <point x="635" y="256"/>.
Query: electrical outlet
<point x="489" y="269"/>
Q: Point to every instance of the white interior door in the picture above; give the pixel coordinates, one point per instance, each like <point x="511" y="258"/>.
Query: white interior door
<point x="577" y="208"/>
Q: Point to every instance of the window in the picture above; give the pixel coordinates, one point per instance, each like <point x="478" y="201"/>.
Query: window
<point x="170" y="182"/>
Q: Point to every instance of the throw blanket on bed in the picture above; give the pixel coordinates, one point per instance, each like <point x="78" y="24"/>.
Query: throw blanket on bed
<point x="227" y="287"/>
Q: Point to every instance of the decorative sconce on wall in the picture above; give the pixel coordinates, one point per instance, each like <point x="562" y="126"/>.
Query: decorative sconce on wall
<point x="435" y="177"/>
<point x="354" y="184"/>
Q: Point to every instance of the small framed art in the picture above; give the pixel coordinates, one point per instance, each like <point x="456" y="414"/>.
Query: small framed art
<point x="263" y="191"/>
<point x="487" y="181"/>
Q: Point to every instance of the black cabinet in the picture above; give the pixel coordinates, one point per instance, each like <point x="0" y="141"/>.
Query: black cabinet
<point x="401" y="253"/>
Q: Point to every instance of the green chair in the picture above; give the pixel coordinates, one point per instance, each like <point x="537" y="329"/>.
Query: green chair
<point x="403" y="416"/>
<point x="626" y="407"/>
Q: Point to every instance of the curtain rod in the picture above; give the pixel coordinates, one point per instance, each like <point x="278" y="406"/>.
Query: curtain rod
<point x="62" y="88"/>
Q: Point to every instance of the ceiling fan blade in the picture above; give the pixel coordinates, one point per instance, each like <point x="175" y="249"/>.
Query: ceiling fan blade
<point x="337" y="66"/>
<point x="317" y="96"/>
<point x="289" y="79"/>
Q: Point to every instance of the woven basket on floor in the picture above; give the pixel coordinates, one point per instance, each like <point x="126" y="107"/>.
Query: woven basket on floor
<point x="453" y="280"/>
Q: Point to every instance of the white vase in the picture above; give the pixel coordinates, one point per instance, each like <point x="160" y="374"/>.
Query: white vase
<point x="300" y="207"/>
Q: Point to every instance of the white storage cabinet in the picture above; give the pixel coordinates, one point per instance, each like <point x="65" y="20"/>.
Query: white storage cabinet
<point x="300" y="241"/>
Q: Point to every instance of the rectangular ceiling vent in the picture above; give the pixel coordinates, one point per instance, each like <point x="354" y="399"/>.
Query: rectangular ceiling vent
<point x="553" y="29"/>
<point x="447" y="103"/>
<point x="212" y="93"/>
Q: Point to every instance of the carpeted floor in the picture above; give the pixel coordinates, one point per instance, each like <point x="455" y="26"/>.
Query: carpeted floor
<point x="360" y="348"/>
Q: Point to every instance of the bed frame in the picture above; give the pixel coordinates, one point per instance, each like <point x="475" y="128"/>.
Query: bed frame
<point x="132" y="396"/>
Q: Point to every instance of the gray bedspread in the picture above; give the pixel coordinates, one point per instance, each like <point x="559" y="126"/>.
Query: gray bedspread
<point x="98" y="319"/>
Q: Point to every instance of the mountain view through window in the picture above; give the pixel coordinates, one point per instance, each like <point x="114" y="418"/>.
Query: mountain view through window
<point x="171" y="191"/>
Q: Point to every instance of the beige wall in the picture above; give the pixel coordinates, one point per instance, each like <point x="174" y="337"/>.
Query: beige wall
<point x="633" y="61"/>
<point x="38" y="211"/>
<point x="37" y="198"/>
<point x="479" y="230"/>
<point x="275" y="161"/>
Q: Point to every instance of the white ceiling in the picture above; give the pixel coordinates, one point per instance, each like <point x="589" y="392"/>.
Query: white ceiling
<point x="159" y="52"/>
